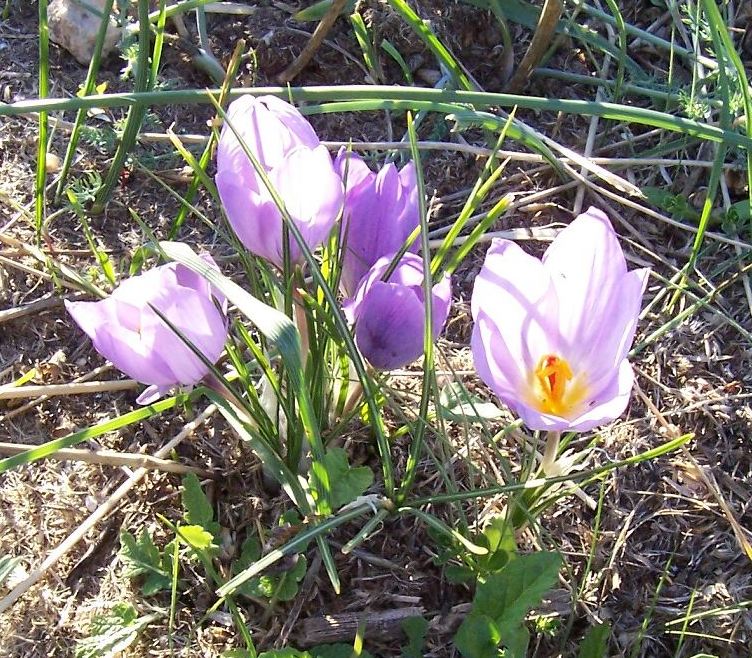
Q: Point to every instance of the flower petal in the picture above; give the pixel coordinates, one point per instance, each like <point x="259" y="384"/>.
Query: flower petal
<point x="389" y="329"/>
<point x="353" y="171"/>
<point x="515" y="294"/>
<point x="611" y="335"/>
<point x="312" y="192"/>
<point x="125" y="348"/>
<point x="610" y="401"/>
<point x="586" y="265"/>
<point x="270" y="128"/>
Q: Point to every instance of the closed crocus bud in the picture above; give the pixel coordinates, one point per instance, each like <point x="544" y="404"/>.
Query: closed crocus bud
<point x="551" y="336"/>
<point x="381" y="211"/>
<point x="389" y="316"/>
<point x="298" y="166"/>
<point x="126" y="330"/>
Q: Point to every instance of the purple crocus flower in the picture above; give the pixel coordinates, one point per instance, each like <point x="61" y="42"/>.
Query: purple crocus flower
<point x="389" y="316"/>
<point x="126" y="330"/>
<point x="381" y="210"/>
<point x="298" y="166"/>
<point x="551" y="336"/>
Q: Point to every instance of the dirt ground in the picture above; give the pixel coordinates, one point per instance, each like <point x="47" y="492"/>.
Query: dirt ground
<point x="666" y="544"/>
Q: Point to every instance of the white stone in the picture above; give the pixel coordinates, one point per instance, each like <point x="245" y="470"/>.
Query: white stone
<point x="75" y="28"/>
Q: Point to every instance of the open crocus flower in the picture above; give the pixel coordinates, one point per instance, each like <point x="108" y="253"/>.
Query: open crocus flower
<point x="551" y="336"/>
<point x="381" y="210"/>
<point x="298" y="166"/>
<point x="389" y="316"/>
<point x="125" y="329"/>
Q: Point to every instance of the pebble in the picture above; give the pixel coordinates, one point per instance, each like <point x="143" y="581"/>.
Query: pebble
<point x="75" y="28"/>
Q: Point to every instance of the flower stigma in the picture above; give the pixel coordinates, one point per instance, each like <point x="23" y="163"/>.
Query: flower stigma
<point x="555" y="389"/>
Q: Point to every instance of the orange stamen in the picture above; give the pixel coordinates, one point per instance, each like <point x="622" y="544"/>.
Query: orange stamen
<point x="556" y="391"/>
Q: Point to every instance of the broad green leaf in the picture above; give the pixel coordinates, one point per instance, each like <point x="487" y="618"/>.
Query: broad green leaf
<point x="198" y="509"/>
<point x="142" y="558"/>
<point x="415" y="628"/>
<point x="196" y="537"/>
<point x="338" y="650"/>
<point x="515" y="640"/>
<point x="595" y="642"/>
<point x="507" y="596"/>
<point x="280" y="586"/>
<point x="287" y="652"/>
<point x="112" y="632"/>
<point x="346" y="483"/>
<point x="457" y="573"/>
<point x="478" y="637"/>
<point x="502" y="548"/>
<point x="458" y="405"/>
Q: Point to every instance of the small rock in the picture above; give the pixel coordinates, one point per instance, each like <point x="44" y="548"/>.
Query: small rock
<point x="75" y="28"/>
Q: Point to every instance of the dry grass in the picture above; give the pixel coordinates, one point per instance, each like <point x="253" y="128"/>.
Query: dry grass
<point x="669" y="541"/>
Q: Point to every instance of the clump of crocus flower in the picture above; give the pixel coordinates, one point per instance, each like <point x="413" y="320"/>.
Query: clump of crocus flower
<point x="551" y="336"/>
<point x="389" y="315"/>
<point x="125" y="328"/>
<point x="298" y="166"/>
<point x="381" y="211"/>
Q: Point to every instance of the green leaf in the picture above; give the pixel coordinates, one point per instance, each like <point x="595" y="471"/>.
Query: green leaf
<point x="595" y="642"/>
<point x="458" y="573"/>
<point x="415" y="628"/>
<point x="478" y="637"/>
<point x="507" y="596"/>
<point x="112" y="632"/>
<point x="287" y="652"/>
<point x="338" y="650"/>
<point x="198" y="509"/>
<point x="280" y="586"/>
<point x="196" y="537"/>
<point x="502" y="548"/>
<point x="346" y="483"/>
<point x="458" y="405"/>
<point x="515" y="640"/>
<point x="142" y="557"/>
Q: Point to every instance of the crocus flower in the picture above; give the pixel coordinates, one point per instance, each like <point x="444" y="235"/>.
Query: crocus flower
<point x="389" y="316"/>
<point x="126" y="330"/>
<point x="381" y="210"/>
<point x="551" y="336"/>
<point x="298" y="166"/>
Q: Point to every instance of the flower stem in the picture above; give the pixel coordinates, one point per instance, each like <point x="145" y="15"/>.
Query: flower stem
<point x="551" y="451"/>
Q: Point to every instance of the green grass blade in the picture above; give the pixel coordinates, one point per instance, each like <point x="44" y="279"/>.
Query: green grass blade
<point x="51" y="447"/>
<point x="432" y="42"/>
<point x="360" y="98"/>
<point x="136" y="113"/>
<point x="429" y="375"/>
<point x="88" y="88"/>
<point x="44" y="77"/>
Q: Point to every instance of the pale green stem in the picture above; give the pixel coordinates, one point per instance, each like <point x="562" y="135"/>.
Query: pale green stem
<point x="551" y="451"/>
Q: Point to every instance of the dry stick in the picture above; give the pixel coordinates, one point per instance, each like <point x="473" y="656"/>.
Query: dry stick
<point x="33" y="403"/>
<point x="544" y="32"/>
<point x="592" y="128"/>
<point x="111" y="458"/>
<point x="10" y="392"/>
<point x="322" y="29"/>
<point x="101" y="512"/>
<point x="37" y="306"/>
